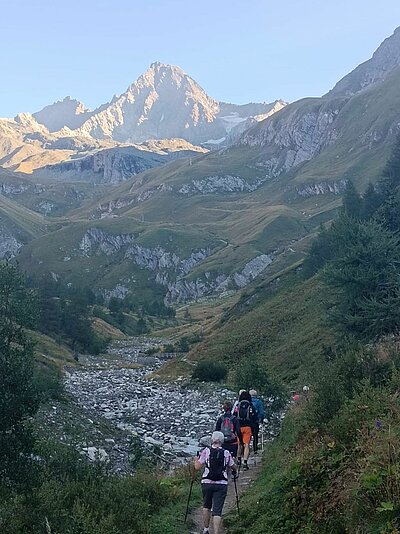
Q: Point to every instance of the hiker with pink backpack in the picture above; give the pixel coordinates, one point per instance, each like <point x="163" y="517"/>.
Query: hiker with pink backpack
<point x="228" y="424"/>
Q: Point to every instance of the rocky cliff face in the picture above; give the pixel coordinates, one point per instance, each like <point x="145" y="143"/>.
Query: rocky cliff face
<point x="383" y="62"/>
<point x="158" y="259"/>
<point x="105" y="166"/>
<point x="183" y="290"/>
<point x="167" y="267"/>
<point x="296" y="135"/>
<point x="114" y="165"/>
<point x="321" y="188"/>
<point x="218" y="184"/>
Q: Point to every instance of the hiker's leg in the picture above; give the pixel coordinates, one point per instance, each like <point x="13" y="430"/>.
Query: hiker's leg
<point x="207" y="504"/>
<point x="256" y="430"/>
<point x="239" y="453"/>
<point x="218" y="503"/>
<point x="216" y="523"/>
<point x="206" y="517"/>
<point x="246" y="433"/>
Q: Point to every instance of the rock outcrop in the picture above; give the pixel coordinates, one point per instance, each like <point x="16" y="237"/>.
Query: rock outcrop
<point x="168" y="268"/>
<point x="9" y="245"/>
<point x="218" y="184"/>
<point x="321" y="188"/>
<point x="117" y="164"/>
<point x="295" y="135"/>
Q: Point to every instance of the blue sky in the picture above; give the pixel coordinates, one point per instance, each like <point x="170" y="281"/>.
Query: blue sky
<point x="239" y="51"/>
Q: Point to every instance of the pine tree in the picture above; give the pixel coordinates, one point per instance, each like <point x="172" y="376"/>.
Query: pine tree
<point x="364" y="276"/>
<point x="320" y="252"/>
<point x="352" y="202"/>
<point x="371" y="201"/>
<point x="18" y="396"/>
<point x="391" y="174"/>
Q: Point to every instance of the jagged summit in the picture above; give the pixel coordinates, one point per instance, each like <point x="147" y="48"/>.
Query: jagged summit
<point x="66" y="112"/>
<point x="384" y="60"/>
<point x="164" y="102"/>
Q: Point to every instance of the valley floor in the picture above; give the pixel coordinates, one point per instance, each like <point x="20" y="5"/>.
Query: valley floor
<point x="113" y="400"/>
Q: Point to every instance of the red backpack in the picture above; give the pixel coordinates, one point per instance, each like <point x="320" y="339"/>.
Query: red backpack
<point x="228" y="428"/>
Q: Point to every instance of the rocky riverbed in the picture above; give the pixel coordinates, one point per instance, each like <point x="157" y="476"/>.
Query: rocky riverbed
<point x="115" y="406"/>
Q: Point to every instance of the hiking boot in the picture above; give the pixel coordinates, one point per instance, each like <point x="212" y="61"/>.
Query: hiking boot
<point x="239" y="462"/>
<point x="245" y="466"/>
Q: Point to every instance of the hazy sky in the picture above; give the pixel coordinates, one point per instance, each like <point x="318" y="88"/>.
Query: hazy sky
<point x="238" y="50"/>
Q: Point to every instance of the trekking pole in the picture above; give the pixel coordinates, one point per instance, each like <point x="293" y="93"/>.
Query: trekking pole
<point x="262" y="437"/>
<point x="190" y="494"/>
<point x="237" y="496"/>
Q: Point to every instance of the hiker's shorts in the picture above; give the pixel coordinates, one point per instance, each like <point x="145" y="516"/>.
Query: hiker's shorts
<point x="214" y="497"/>
<point x="246" y="434"/>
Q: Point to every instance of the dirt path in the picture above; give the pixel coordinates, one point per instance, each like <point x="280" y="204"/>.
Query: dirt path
<point x="244" y="481"/>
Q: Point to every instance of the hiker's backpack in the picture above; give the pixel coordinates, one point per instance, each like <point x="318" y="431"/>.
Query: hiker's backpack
<point x="216" y="465"/>
<point x="228" y="429"/>
<point x="246" y="411"/>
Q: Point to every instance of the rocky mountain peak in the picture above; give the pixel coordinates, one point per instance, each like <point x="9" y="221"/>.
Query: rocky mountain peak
<point x="164" y="102"/>
<point x="28" y="122"/>
<point x="172" y="83"/>
<point x="384" y="60"/>
<point x="66" y="112"/>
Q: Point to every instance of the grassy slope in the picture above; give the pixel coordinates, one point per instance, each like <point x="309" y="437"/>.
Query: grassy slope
<point x="21" y="221"/>
<point x="49" y="352"/>
<point x="285" y="329"/>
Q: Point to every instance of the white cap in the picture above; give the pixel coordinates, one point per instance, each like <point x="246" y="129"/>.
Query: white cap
<point x="253" y="393"/>
<point x="217" y="437"/>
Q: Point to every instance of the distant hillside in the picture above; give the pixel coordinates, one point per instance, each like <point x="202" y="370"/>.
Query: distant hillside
<point x="18" y="226"/>
<point x="284" y="328"/>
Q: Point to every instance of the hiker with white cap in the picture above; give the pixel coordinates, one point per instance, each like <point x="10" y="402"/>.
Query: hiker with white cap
<point x="260" y="415"/>
<point x="214" y="482"/>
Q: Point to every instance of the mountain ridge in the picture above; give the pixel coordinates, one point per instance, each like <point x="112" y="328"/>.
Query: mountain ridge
<point x="164" y="102"/>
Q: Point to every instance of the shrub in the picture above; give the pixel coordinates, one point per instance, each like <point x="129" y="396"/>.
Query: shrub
<point x="209" y="371"/>
<point x="251" y="374"/>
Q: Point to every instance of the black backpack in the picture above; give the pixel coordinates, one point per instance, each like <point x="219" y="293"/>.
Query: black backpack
<point x="246" y="411"/>
<point x="216" y="465"/>
<point x="228" y="428"/>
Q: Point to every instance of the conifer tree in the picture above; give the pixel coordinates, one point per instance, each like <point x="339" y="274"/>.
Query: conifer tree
<point x="391" y="174"/>
<point x="370" y="202"/>
<point x="18" y="397"/>
<point x="352" y="202"/>
<point x="364" y="276"/>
